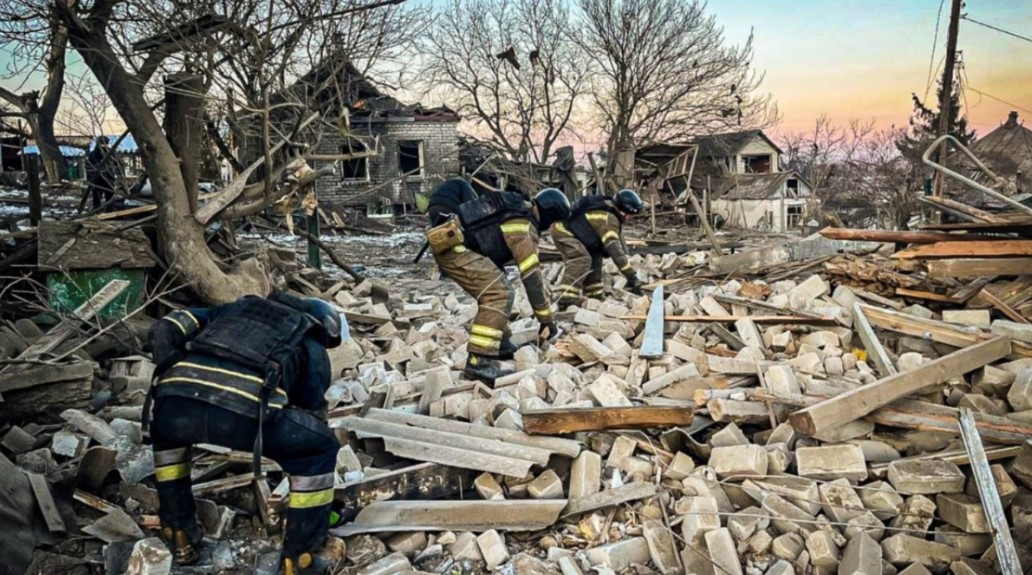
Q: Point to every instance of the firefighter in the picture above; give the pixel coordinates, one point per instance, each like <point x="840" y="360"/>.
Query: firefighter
<point x="593" y="232"/>
<point x="472" y="240"/>
<point x="224" y="374"/>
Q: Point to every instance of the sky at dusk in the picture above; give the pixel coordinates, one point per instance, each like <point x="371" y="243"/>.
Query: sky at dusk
<point x="863" y="58"/>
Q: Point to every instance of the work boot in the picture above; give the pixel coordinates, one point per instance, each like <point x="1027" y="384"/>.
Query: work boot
<point x="565" y="302"/>
<point x="507" y="350"/>
<point x="317" y="562"/>
<point x="485" y="369"/>
<point x="184" y="543"/>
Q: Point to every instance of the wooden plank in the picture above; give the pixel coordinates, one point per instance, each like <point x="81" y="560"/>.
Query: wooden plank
<point x="956" y="456"/>
<point x="959" y="210"/>
<point x="765" y="319"/>
<point x="861" y="401"/>
<point x="894" y="237"/>
<point x="977" y="267"/>
<point x="762" y="305"/>
<point x="1000" y="305"/>
<point x="925" y="295"/>
<point x="470" y="515"/>
<point x="570" y="420"/>
<point x="565" y="447"/>
<point x="981" y="249"/>
<point x="934" y="330"/>
<point x="45" y="500"/>
<point x="1006" y="553"/>
<point x="726" y="336"/>
<point x="609" y="498"/>
<point x="422" y="481"/>
<point x="871" y="342"/>
<point x="84" y="312"/>
<point x="140" y="210"/>
<point x="652" y="342"/>
<point x="1023" y="229"/>
<point x="367" y="319"/>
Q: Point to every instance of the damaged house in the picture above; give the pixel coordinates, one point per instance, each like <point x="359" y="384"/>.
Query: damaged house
<point x="396" y="150"/>
<point x="740" y="176"/>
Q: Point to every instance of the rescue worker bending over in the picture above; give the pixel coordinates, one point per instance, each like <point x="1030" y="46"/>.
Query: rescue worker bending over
<point x="472" y="240"/>
<point x="247" y="375"/>
<point x="592" y="232"/>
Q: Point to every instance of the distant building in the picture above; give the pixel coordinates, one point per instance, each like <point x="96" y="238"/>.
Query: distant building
<point x="1007" y="150"/>
<point x="397" y="149"/>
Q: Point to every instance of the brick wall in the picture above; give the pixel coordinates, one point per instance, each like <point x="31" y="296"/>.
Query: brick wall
<point x="440" y="160"/>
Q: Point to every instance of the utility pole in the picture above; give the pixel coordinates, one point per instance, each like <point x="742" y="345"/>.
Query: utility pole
<point x="946" y="96"/>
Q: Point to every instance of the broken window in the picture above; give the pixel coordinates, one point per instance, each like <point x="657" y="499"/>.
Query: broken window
<point x="795" y="216"/>
<point x="354" y="169"/>
<point x="792" y="185"/>
<point x="757" y="164"/>
<point x="410" y="157"/>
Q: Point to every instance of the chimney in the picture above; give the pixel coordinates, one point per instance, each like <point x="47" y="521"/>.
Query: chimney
<point x="1012" y="120"/>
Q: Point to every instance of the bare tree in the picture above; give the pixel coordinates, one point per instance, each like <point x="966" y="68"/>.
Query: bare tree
<point x="86" y="108"/>
<point x="244" y="54"/>
<point x="665" y="72"/>
<point x="824" y="155"/>
<point x="36" y="45"/>
<point x="511" y="68"/>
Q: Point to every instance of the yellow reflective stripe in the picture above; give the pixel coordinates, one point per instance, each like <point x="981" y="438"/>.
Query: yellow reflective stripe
<point x="544" y="312"/>
<point x="225" y="388"/>
<point x="485" y="342"/>
<point x="179" y="325"/>
<point x="486" y="331"/>
<point x="516" y="228"/>
<point x="626" y="267"/>
<point x="192" y="318"/>
<point x="310" y="499"/>
<point x="561" y="227"/>
<point x="602" y="216"/>
<point x="172" y="472"/>
<point x="459" y="249"/>
<point x="529" y="262"/>
<point x="567" y="287"/>
<point x="610" y="235"/>
<point x="253" y="378"/>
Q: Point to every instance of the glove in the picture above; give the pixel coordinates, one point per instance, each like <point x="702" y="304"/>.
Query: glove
<point x="549" y="331"/>
<point x="634" y="284"/>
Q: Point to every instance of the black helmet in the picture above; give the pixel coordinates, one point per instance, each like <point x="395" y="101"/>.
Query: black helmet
<point x="553" y="206"/>
<point x="324" y="314"/>
<point x="629" y="202"/>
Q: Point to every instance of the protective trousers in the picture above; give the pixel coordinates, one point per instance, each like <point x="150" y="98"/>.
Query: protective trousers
<point x="582" y="274"/>
<point x="489" y="286"/>
<point x="302" y="444"/>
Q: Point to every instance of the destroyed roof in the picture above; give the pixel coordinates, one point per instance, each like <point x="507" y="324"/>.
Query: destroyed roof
<point x="1008" y="150"/>
<point x="720" y="145"/>
<point x="66" y="151"/>
<point x="754" y="186"/>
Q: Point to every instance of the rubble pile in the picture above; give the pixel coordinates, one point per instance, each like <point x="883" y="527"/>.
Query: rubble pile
<point x="805" y="417"/>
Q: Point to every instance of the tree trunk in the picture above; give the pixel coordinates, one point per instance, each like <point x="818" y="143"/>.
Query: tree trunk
<point x="184" y="127"/>
<point x="50" y="151"/>
<point x="181" y="238"/>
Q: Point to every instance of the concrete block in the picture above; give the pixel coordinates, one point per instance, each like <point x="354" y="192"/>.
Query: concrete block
<point x="700" y="517"/>
<point x="389" y="565"/>
<point x="620" y="555"/>
<point x="840" y="501"/>
<point x="862" y="556"/>
<point x="546" y="486"/>
<point x="1020" y="394"/>
<point x="586" y="317"/>
<point x="787" y="518"/>
<point x="925" y="477"/>
<point x="963" y="512"/>
<point x="492" y="547"/>
<point x="974" y="317"/>
<point x="150" y="557"/>
<point x="780" y="380"/>
<point x="801" y="492"/>
<point x="749" y="520"/>
<point x="867" y="524"/>
<point x="969" y="544"/>
<point x="465" y="548"/>
<point x="729" y="436"/>
<point x="749" y="333"/>
<point x="916" y="515"/>
<point x="680" y="466"/>
<point x="821" y="339"/>
<point x="788" y="546"/>
<point x="781" y="567"/>
<point x="846" y="431"/>
<point x="881" y="499"/>
<point x="623" y="448"/>
<point x="1014" y="330"/>
<point x="722" y="552"/>
<point x="739" y="461"/>
<point x="662" y="547"/>
<point x="585" y="474"/>
<point x="918" y="311"/>
<point x="1005" y="486"/>
<point x="488" y="488"/>
<point x="832" y="462"/>
<point x="408" y="544"/>
<point x="902" y="550"/>
<point x="823" y="551"/>
<point x="808" y="291"/>
<point x="915" y="569"/>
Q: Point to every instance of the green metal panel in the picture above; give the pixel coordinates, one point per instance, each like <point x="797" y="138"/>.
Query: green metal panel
<point x="72" y="289"/>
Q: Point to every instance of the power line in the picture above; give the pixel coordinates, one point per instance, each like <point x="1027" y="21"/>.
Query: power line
<point x="1001" y="30"/>
<point x="935" y="39"/>
<point x="991" y="97"/>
